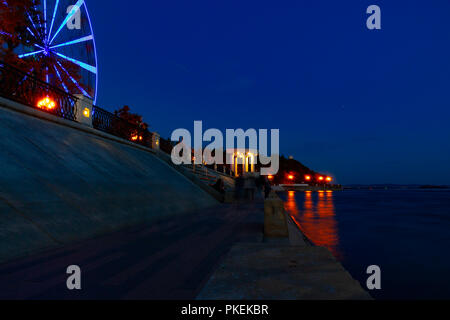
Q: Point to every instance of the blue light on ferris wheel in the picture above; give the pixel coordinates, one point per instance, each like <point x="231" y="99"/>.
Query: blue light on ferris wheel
<point x="95" y="54"/>
<point x="79" y="63"/>
<point x="31" y="32"/>
<point x="73" y="42"/>
<point x="73" y="80"/>
<point x="30" y="54"/>
<point x="45" y="17"/>
<point x="60" y="79"/>
<point x="74" y="10"/>
<point x="53" y="18"/>
<point x="31" y="20"/>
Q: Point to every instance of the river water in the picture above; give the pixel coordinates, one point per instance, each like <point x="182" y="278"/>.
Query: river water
<point x="405" y="232"/>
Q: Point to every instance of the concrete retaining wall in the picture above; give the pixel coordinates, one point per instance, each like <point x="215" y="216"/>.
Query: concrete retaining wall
<point x="60" y="184"/>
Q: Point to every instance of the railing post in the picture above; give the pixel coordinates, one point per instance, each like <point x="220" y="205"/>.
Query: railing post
<point x="84" y="110"/>
<point x="155" y="141"/>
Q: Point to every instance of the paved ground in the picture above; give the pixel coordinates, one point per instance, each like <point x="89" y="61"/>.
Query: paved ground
<point x="265" y="271"/>
<point x="166" y="260"/>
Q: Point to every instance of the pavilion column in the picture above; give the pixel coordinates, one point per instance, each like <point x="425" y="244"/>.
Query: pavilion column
<point x="246" y="160"/>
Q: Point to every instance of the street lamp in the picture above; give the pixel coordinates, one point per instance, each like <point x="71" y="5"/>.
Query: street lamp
<point x="46" y="103"/>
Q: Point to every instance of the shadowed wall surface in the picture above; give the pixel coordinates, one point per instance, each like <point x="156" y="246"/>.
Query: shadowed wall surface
<point x="59" y="185"/>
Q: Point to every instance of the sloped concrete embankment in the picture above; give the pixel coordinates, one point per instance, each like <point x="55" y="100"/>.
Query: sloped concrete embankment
<point x="60" y="184"/>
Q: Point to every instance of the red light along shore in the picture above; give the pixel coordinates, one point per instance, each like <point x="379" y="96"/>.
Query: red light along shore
<point x="306" y="187"/>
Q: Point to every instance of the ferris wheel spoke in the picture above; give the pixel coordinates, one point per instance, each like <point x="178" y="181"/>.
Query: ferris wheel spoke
<point x="54" y="16"/>
<point x="45" y="18"/>
<point x="79" y="63"/>
<point x="38" y="16"/>
<point x="31" y="32"/>
<point x="5" y="34"/>
<point x="32" y="22"/>
<point x="73" y="80"/>
<point x="69" y="16"/>
<point x="30" y="54"/>
<point x="60" y="79"/>
<point x="84" y="39"/>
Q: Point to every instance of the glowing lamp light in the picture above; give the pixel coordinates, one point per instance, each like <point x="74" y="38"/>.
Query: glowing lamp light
<point x="329" y="179"/>
<point x="136" y="138"/>
<point x="270" y="177"/>
<point x="307" y="178"/>
<point x="46" y="103"/>
<point x="321" y="178"/>
<point x="86" y="112"/>
<point x="291" y="177"/>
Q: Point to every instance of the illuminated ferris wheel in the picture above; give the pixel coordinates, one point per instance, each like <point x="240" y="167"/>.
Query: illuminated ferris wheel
<point x="63" y="41"/>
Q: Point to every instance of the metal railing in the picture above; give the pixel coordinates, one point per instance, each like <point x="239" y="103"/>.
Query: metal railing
<point x="110" y="123"/>
<point x="21" y="87"/>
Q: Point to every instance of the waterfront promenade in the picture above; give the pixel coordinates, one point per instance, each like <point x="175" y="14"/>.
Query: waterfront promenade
<point x="218" y="253"/>
<point x="138" y="227"/>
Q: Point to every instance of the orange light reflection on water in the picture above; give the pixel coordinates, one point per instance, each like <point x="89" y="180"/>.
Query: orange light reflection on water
<point x="317" y="218"/>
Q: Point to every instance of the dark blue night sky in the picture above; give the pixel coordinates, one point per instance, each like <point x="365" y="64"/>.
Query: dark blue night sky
<point x="365" y="106"/>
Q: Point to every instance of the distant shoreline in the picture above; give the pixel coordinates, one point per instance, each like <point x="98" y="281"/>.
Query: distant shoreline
<point x="395" y="187"/>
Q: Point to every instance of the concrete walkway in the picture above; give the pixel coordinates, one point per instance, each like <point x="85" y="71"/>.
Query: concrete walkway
<point x="267" y="271"/>
<point x="281" y="269"/>
<point x="172" y="259"/>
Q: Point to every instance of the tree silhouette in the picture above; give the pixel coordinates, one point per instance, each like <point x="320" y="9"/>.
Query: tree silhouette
<point x="132" y="118"/>
<point x="132" y="126"/>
